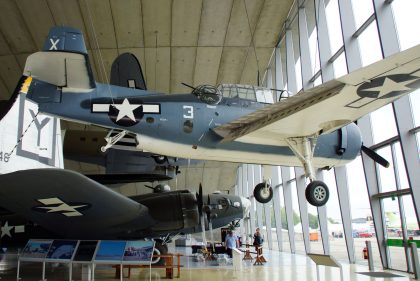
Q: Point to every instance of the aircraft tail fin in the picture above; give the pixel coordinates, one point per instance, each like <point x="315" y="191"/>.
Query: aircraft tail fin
<point x="126" y="72"/>
<point x="63" y="62"/>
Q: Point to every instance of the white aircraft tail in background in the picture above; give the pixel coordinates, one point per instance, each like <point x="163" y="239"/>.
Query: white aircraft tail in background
<point x="28" y="140"/>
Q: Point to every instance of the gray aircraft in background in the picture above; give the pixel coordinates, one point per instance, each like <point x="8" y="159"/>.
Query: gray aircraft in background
<point x="236" y="123"/>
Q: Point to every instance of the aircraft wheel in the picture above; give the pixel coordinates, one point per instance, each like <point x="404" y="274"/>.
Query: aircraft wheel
<point x="159" y="250"/>
<point x="160" y="159"/>
<point x="317" y="193"/>
<point x="262" y="193"/>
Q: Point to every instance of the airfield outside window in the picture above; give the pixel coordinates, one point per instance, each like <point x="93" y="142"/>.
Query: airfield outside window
<point x="208" y="94"/>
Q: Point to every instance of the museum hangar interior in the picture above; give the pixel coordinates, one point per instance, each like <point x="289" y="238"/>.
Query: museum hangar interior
<point x="290" y="46"/>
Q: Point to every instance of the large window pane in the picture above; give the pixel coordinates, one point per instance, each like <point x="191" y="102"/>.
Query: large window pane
<point x="340" y="65"/>
<point x="402" y="175"/>
<point x="386" y="175"/>
<point x="393" y="231"/>
<point x="362" y="10"/>
<point x="370" y="48"/>
<point x="335" y="224"/>
<point x="296" y="51"/>
<point x="300" y="245"/>
<point x="362" y="223"/>
<point x="383" y="124"/>
<point x="407" y="21"/>
<point x="334" y="26"/>
<point x="313" y="35"/>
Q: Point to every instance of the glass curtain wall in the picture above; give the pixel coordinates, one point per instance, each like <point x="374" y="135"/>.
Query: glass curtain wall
<point x="343" y="36"/>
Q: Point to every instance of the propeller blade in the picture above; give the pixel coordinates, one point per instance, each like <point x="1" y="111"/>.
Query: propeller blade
<point x="189" y="86"/>
<point x="375" y="156"/>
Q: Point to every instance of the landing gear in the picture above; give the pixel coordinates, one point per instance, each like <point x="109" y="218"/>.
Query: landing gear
<point x="112" y="139"/>
<point x="159" y="249"/>
<point x="263" y="192"/>
<point x="316" y="192"/>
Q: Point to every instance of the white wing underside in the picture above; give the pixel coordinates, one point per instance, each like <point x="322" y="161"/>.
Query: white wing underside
<point x="331" y="105"/>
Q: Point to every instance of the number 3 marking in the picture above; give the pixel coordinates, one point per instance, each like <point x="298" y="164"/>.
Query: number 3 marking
<point x="188" y="111"/>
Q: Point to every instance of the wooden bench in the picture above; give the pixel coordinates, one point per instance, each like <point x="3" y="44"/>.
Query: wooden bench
<point x="259" y="260"/>
<point x="169" y="266"/>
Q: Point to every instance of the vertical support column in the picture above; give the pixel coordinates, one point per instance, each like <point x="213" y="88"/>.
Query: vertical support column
<point x="303" y="207"/>
<point x="244" y="228"/>
<point x="354" y="62"/>
<point x="323" y="221"/>
<point x="344" y="202"/>
<point x="373" y="188"/>
<point x="267" y="211"/>
<point x="290" y="63"/>
<point x="258" y="179"/>
<point x="323" y="41"/>
<point x="279" y="71"/>
<point x="402" y="109"/>
<point x="252" y="215"/>
<point x="287" y="192"/>
<point x="305" y="55"/>
<point x="277" y="206"/>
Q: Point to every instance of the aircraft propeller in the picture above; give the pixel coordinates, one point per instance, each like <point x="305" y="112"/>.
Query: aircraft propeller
<point x="375" y="156"/>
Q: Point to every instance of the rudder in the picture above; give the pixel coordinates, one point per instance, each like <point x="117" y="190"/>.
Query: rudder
<point x="64" y="61"/>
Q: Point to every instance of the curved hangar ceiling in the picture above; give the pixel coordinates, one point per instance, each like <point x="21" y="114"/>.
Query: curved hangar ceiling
<point x="190" y="41"/>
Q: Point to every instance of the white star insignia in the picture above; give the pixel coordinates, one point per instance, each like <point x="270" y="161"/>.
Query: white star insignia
<point x="390" y="86"/>
<point x="126" y="109"/>
<point x="5" y="230"/>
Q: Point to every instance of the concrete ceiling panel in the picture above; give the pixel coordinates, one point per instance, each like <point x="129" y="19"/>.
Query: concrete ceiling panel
<point x="250" y="70"/>
<point x="13" y="28"/>
<point x="4" y="47"/>
<point x="93" y="65"/>
<point x="38" y="19"/>
<point x="158" y="69"/>
<point x="5" y="94"/>
<point x="68" y="13"/>
<point x="231" y="65"/>
<point x="214" y="22"/>
<point x="128" y="23"/>
<point x="21" y="59"/>
<point x="157" y="20"/>
<point x="10" y="72"/>
<point x="207" y="65"/>
<point x="182" y="67"/>
<point x="104" y="60"/>
<point x="239" y="33"/>
<point x="186" y="16"/>
<point x="98" y="13"/>
<point x="272" y="17"/>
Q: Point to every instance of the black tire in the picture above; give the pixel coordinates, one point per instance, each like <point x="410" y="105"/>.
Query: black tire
<point x="317" y="193"/>
<point x="261" y="194"/>
<point x="159" y="250"/>
<point x="160" y="159"/>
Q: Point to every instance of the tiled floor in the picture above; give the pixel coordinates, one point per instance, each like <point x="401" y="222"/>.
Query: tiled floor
<point x="280" y="266"/>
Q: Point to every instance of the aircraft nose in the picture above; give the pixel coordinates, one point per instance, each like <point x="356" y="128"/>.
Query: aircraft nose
<point x="246" y="206"/>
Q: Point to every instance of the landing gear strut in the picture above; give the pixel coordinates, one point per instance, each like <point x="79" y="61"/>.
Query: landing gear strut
<point x="316" y="192"/>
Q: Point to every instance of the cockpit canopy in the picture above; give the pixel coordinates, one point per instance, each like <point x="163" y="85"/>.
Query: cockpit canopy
<point x="253" y="93"/>
<point x="208" y="94"/>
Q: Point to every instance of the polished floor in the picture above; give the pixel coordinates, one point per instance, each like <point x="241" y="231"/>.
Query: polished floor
<point x="279" y="266"/>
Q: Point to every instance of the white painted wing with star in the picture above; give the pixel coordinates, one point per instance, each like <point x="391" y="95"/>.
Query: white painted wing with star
<point x="331" y="105"/>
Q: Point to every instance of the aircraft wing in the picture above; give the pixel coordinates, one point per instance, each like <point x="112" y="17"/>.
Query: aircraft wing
<point x="70" y="204"/>
<point x="331" y="105"/>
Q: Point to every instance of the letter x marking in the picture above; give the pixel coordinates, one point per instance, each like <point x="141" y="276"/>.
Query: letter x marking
<point x="54" y="44"/>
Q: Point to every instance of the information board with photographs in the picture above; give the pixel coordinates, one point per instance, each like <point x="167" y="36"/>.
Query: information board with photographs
<point x="36" y="250"/>
<point x="62" y="250"/>
<point x="110" y="251"/>
<point x="85" y="251"/>
<point x="139" y="252"/>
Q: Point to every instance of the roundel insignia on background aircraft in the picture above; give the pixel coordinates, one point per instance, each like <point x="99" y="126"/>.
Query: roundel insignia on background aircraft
<point x="126" y="112"/>
<point x="388" y="86"/>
